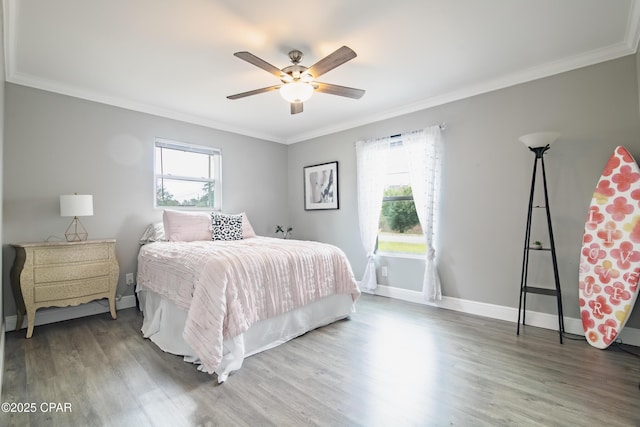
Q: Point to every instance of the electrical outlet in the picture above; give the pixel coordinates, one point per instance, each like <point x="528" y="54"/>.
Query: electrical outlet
<point x="129" y="278"/>
<point x="384" y="271"/>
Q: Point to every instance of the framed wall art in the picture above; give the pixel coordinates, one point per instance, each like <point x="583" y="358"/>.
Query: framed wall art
<point x="321" y="186"/>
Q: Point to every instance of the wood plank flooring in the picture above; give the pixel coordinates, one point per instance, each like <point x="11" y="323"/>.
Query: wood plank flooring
<point x="392" y="364"/>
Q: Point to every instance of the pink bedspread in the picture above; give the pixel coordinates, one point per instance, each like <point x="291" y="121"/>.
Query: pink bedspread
<point x="227" y="286"/>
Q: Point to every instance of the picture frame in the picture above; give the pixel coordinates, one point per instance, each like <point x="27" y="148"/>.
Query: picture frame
<point x="321" y="187"/>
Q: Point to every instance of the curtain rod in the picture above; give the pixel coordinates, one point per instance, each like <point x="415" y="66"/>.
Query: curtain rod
<point x="442" y="126"/>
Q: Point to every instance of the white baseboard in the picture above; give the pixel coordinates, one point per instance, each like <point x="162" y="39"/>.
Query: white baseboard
<point x="57" y="314"/>
<point x="629" y="336"/>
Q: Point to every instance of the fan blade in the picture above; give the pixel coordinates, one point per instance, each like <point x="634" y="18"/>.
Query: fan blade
<point x="296" y="107"/>
<point x="260" y="63"/>
<point x="331" y="61"/>
<point x="253" y="92"/>
<point x="349" y="92"/>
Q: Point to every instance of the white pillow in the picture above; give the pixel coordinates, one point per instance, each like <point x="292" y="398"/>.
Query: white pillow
<point x="181" y="226"/>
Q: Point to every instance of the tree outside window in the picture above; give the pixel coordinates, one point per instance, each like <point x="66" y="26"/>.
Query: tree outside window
<point x="399" y="231"/>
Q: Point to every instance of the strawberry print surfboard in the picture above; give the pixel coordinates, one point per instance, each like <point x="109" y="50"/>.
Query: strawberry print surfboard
<point x="610" y="256"/>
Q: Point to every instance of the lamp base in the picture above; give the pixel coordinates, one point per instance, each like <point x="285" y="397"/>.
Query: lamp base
<point x="76" y="231"/>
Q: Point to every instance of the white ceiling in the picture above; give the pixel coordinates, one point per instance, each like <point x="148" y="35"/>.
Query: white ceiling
<point x="174" y="58"/>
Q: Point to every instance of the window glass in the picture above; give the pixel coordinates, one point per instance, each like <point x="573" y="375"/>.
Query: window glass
<point x="399" y="230"/>
<point x="187" y="175"/>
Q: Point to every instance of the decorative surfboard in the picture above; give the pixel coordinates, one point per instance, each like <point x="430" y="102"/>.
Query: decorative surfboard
<point x="610" y="256"/>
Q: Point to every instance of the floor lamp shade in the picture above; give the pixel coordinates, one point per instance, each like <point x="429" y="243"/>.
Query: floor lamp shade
<point x="76" y="205"/>
<point x="539" y="139"/>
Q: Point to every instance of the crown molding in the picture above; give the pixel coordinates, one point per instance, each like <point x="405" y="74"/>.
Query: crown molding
<point x="49" y="86"/>
<point x="519" y="77"/>
<point x="628" y="46"/>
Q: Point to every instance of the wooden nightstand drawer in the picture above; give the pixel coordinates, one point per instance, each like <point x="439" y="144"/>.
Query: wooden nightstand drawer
<point x="60" y="273"/>
<point x="66" y="255"/>
<point x="79" y="288"/>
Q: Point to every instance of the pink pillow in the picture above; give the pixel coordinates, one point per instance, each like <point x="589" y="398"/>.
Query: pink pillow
<point x="181" y="226"/>
<point x="247" y="229"/>
<point x="184" y="226"/>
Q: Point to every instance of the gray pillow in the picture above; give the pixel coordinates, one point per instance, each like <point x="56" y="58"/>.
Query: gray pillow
<point x="153" y="233"/>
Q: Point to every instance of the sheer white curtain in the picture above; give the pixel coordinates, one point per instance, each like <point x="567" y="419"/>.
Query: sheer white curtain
<point x="424" y="152"/>
<point x="371" y="176"/>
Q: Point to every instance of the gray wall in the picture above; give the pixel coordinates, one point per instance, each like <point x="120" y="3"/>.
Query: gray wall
<point x="486" y="181"/>
<point x="2" y="77"/>
<point x="638" y="73"/>
<point x="56" y="145"/>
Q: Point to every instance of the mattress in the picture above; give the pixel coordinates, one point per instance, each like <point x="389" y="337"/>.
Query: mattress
<point x="164" y="323"/>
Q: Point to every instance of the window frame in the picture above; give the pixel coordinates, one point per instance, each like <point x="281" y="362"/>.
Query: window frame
<point x="213" y="152"/>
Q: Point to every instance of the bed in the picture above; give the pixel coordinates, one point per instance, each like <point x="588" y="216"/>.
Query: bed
<point x="216" y="302"/>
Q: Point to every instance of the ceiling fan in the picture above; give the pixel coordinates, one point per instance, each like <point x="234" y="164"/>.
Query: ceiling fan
<point x="298" y="81"/>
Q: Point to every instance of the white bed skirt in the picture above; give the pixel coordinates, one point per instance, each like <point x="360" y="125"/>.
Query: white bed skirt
<point x="164" y="322"/>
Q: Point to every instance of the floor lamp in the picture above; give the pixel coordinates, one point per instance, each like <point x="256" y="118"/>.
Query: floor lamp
<point x="539" y="143"/>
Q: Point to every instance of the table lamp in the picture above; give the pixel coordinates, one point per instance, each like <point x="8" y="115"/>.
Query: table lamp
<point x="76" y="205"/>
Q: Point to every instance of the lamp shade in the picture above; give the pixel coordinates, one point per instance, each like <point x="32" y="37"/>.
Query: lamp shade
<point x="539" y="139"/>
<point x="296" y="91"/>
<point x="76" y="205"/>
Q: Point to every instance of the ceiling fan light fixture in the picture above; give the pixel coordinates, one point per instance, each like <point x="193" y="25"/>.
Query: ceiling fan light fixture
<point x="296" y="91"/>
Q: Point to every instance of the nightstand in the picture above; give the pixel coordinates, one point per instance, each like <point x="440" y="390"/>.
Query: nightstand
<point x="59" y="274"/>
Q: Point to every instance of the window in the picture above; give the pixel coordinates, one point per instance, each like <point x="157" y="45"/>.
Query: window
<point x="187" y="175"/>
<point x="399" y="229"/>
<point x="378" y="165"/>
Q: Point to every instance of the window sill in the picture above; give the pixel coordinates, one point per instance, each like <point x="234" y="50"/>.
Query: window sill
<point x="188" y="208"/>
<point x="400" y="255"/>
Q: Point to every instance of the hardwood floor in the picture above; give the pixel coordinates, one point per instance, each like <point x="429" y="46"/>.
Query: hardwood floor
<point x="392" y="364"/>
